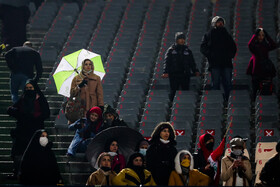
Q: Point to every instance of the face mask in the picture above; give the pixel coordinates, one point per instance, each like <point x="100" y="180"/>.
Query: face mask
<point x="105" y="168"/>
<point x="43" y="141"/>
<point x="186" y="163"/>
<point x="210" y="146"/>
<point x="30" y="93"/>
<point x="185" y="170"/>
<point x="109" y="121"/>
<point x="143" y="151"/>
<point x="237" y="152"/>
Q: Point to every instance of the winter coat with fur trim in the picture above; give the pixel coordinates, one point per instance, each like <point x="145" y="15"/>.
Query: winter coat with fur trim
<point x="196" y="178"/>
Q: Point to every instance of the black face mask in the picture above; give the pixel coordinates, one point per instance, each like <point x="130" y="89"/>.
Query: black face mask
<point x="210" y="146"/>
<point x="30" y="93"/>
<point x="105" y="168"/>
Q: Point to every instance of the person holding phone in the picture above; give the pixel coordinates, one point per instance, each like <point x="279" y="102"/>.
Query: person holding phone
<point x="236" y="168"/>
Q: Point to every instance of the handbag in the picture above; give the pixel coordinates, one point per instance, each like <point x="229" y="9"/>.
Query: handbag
<point x="74" y="108"/>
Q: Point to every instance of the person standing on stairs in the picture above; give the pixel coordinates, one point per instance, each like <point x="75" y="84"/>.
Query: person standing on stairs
<point x="219" y="48"/>
<point x="30" y="111"/>
<point x="21" y="62"/>
<point x="178" y="65"/>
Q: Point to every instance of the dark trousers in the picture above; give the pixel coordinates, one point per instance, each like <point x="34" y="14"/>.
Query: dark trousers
<point x="178" y="82"/>
<point x="256" y="81"/>
<point x="222" y="75"/>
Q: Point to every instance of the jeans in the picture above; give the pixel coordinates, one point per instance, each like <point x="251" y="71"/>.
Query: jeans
<point x="78" y="144"/>
<point x="222" y="75"/>
<point x="17" y="82"/>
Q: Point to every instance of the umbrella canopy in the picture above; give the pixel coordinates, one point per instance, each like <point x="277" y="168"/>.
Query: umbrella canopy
<point x="127" y="141"/>
<point x="71" y="65"/>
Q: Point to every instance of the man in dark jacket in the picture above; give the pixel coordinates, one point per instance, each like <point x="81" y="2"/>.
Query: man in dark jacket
<point x="178" y="65"/>
<point x="270" y="172"/>
<point x="111" y="118"/>
<point x="219" y="48"/>
<point x="21" y="62"/>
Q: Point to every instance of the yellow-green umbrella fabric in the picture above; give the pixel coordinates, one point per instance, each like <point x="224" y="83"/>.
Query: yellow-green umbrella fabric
<point x="70" y="66"/>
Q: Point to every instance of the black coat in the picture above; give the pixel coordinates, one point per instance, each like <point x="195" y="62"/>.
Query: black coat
<point x="39" y="165"/>
<point x="219" y="48"/>
<point x="22" y="60"/>
<point x="179" y="60"/>
<point x="271" y="172"/>
<point x="27" y="122"/>
<point x="160" y="161"/>
<point x="200" y="163"/>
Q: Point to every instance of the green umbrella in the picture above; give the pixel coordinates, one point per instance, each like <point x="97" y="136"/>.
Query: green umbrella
<point x="71" y="65"/>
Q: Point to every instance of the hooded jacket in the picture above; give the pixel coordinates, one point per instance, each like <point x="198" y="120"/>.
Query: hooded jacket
<point x="202" y="155"/>
<point x="218" y="46"/>
<point x="160" y="156"/>
<point x="92" y="94"/>
<point x="116" y="122"/>
<point x="196" y="178"/>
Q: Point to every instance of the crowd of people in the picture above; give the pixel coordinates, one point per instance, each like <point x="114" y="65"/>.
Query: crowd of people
<point x="157" y="161"/>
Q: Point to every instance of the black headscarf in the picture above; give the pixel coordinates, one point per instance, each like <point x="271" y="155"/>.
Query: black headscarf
<point x="38" y="165"/>
<point x="139" y="170"/>
<point x="29" y="97"/>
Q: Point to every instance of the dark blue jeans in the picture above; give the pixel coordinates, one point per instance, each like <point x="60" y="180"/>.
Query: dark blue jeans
<point x="222" y="75"/>
<point x="17" y="82"/>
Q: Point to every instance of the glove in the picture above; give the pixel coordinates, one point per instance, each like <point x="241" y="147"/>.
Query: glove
<point x="83" y="83"/>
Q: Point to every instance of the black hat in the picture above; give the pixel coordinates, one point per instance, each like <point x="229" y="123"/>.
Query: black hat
<point x="180" y="35"/>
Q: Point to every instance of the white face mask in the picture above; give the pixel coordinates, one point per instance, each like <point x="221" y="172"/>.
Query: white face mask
<point x="143" y="151"/>
<point x="43" y="141"/>
<point x="237" y="152"/>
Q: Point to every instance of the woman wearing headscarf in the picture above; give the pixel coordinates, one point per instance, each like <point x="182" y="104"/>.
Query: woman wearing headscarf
<point x="104" y="175"/>
<point x="118" y="162"/>
<point x="86" y="128"/>
<point x="184" y="174"/>
<point x="135" y="174"/>
<point x="260" y="45"/>
<point x="89" y="86"/>
<point x="30" y="111"/>
<point x="39" y="166"/>
<point x="206" y="144"/>
<point x="161" y="153"/>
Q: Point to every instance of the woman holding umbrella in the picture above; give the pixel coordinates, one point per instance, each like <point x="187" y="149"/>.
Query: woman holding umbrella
<point x="89" y="86"/>
<point x="161" y="153"/>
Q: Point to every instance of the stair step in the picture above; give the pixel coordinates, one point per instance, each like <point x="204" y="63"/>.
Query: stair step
<point x="57" y="151"/>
